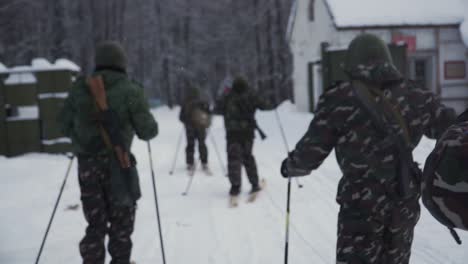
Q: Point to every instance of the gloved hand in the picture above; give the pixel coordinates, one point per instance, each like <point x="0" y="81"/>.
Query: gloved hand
<point x="290" y="169"/>
<point x="284" y="168"/>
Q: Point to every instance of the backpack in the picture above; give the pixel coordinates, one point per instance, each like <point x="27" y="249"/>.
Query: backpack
<point x="200" y="118"/>
<point x="445" y="179"/>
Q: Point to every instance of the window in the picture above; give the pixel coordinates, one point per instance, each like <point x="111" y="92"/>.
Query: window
<point x="455" y="70"/>
<point x="312" y="10"/>
<point x="420" y="74"/>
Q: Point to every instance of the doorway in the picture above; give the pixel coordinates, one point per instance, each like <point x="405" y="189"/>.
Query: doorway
<point x="422" y="70"/>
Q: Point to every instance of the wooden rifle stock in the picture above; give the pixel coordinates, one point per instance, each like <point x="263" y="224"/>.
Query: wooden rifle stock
<point x="98" y="91"/>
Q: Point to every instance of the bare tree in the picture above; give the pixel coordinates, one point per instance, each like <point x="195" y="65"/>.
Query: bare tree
<point x="171" y="44"/>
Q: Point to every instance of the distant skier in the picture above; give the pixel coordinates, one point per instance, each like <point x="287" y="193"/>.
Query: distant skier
<point x="238" y="106"/>
<point x="373" y="122"/>
<point x="195" y="114"/>
<point x="101" y="115"/>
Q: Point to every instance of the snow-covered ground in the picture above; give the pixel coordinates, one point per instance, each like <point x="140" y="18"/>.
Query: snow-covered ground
<point x="200" y="228"/>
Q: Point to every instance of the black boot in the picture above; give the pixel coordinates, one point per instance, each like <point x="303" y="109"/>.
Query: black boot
<point x="255" y="188"/>
<point x="235" y="190"/>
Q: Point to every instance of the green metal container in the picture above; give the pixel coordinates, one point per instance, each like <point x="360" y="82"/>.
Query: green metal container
<point x="52" y="87"/>
<point x="20" y="94"/>
<point x="3" y="132"/>
<point x="54" y="81"/>
<point x="23" y="137"/>
<point x="49" y="109"/>
<point x="23" y="134"/>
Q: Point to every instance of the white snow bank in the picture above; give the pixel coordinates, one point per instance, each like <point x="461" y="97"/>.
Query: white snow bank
<point x="41" y="64"/>
<point x="26" y="113"/>
<point x="199" y="228"/>
<point x="20" y="75"/>
<point x="3" y="68"/>
<point x="358" y="13"/>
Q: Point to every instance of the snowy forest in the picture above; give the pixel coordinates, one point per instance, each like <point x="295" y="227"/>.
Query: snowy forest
<point x="170" y="43"/>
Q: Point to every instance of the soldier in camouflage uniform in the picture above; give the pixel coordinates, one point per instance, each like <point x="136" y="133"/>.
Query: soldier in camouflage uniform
<point x="194" y="132"/>
<point x="375" y="222"/>
<point x="78" y="120"/>
<point x="238" y="107"/>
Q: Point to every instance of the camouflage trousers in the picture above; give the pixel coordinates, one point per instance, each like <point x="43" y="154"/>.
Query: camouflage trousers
<point x="196" y="135"/>
<point x="377" y="233"/>
<point x="102" y="216"/>
<point x="239" y="152"/>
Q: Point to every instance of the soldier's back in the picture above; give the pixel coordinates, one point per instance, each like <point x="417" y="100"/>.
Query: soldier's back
<point x="123" y="94"/>
<point x="359" y="138"/>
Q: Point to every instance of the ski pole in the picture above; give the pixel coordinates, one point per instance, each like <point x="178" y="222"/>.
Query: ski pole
<point x="288" y="209"/>
<point x="189" y="185"/>
<point x="213" y="141"/>
<point x="288" y="200"/>
<point x="156" y="202"/>
<point x="179" y="142"/>
<point x="55" y="208"/>
<point x="285" y="141"/>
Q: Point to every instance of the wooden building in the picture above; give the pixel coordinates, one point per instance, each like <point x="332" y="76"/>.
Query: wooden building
<point x="424" y="36"/>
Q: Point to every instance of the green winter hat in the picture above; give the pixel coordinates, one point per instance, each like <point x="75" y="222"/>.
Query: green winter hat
<point x="239" y="85"/>
<point x="110" y="54"/>
<point x="368" y="57"/>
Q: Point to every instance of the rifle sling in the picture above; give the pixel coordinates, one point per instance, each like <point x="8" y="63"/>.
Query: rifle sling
<point x="380" y="113"/>
<point x="380" y="116"/>
<point x="121" y="155"/>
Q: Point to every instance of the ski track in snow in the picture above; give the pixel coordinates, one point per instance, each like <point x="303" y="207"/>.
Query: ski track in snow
<point x="200" y="227"/>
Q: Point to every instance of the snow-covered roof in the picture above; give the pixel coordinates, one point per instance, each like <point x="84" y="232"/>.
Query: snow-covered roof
<point x="41" y="64"/>
<point x="376" y="13"/>
<point x="20" y="75"/>
<point x="25" y="74"/>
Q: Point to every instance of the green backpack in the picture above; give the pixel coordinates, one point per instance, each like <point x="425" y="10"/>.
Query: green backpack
<point x="445" y="179"/>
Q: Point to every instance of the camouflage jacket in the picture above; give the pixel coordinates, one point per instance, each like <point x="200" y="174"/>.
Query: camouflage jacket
<point x="340" y="122"/>
<point x="445" y="184"/>
<point x="78" y="116"/>
<point x="239" y="110"/>
<point x="185" y="115"/>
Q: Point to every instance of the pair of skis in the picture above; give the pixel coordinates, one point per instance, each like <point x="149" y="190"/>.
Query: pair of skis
<point x="234" y="199"/>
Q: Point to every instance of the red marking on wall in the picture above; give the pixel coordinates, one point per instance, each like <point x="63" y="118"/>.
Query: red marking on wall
<point x="410" y="41"/>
